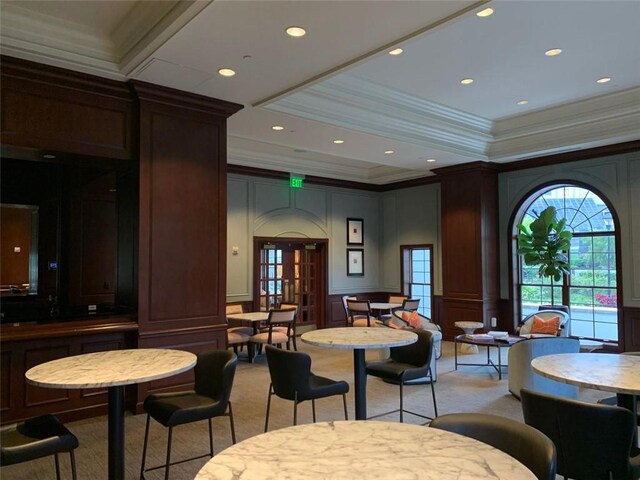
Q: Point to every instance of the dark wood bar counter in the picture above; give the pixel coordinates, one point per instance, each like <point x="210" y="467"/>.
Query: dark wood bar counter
<point x="28" y="344"/>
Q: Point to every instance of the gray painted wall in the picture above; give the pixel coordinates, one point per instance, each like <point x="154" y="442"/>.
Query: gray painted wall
<point x="260" y="207"/>
<point x="616" y="177"/>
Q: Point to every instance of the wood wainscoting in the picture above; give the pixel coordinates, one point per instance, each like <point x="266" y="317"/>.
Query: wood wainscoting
<point x="631" y="325"/>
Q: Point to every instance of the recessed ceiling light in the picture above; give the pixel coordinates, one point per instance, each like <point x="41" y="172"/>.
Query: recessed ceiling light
<point x="431" y="160"/>
<point x="603" y="80"/>
<point x="226" y="72"/>
<point x="553" y="52"/>
<point x="485" y="13"/>
<point x="396" y="51"/>
<point x="522" y="102"/>
<point x="296" y="32"/>
<point x="277" y="127"/>
<point x="466" y="81"/>
<point x="338" y="141"/>
<point x="389" y="152"/>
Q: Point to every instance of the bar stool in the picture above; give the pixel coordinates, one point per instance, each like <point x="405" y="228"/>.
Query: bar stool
<point x="36" y="438"/>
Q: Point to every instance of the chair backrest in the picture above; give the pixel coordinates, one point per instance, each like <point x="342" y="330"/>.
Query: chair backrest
<point x="344" y="304"/>
<point x="418" y="353"/>
<point x="593" y="441"/>
<point x="230" y="309"/>
<point x="289" y="371"/>
<point x="411" y="304"/>
<point x="524" y="443"/>
<point x="358" y="307"/>
<point x="527" y="322"/>
<point x="282" y="316"/>
<point x="397" y="298"/>
<point x="214" y="373"/>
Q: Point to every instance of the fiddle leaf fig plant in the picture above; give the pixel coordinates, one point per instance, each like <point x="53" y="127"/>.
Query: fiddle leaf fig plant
<point x="545" y="243"/>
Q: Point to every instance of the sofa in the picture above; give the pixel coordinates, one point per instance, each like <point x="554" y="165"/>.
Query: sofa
<point x="521" y="374"/>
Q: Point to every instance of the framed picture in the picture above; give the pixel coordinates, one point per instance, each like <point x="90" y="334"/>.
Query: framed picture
<point x="355" y="231"/>
<point x="355" y="262"/>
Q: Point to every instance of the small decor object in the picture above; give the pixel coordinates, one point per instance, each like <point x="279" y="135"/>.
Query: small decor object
<point x="355" y="231"/>
<point x="546" y="244"/>
<point x="355" y="262"/>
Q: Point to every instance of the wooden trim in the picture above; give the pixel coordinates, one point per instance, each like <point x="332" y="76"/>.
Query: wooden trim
<point x="470" y="167"/>
<point x="68" y="329"/>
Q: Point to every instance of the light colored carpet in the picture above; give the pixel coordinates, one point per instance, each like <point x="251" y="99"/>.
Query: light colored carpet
<point x="469" y="389"/>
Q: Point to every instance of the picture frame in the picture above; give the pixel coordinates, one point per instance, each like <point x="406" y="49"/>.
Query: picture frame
<point x="355" y="262"/>
<point x="355" y="231"/>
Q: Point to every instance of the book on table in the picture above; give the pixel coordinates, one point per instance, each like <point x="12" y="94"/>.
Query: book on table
<point x="479" y="337"/>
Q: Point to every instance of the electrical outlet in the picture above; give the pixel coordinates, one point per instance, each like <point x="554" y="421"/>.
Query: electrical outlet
<point x="93" y="308"/>
<point x="494" y="322"/>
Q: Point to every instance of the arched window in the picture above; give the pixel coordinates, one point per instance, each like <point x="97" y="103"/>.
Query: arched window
<point x="591" y="291"/>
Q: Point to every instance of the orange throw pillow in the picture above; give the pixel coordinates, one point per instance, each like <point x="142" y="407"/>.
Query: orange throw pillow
<point x="549" y="327"/>
<point x="412" y="318"/>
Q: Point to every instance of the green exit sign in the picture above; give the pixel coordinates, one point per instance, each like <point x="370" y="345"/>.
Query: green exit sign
<point x="295" y="182"/>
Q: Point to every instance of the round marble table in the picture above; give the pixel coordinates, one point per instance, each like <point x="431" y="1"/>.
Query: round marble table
<point x="113" y="369"/>
<point x="359" y="339"/>
<point x="600" y="371"/>
<point x="362" y="450"/>
<point x="468" y="328"/>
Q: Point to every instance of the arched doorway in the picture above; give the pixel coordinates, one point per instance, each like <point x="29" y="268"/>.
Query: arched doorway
<point x="593" y="289"/>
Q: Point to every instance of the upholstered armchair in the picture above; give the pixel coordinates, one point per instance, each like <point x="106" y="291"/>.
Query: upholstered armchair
<point x="526" y="326"/>
<point x="521" y="374"/>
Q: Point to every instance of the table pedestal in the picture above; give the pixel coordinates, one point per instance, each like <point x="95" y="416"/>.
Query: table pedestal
<point x="116" y="433"/>
<point x="468" y="328"/>
<point x="360" y="383"/>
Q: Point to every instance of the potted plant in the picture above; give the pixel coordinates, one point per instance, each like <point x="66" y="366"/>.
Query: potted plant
<point x="545" y="243"/>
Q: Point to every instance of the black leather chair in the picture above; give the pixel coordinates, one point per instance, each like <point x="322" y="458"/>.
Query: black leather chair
<point x="292" y="379"/>
<point x="593" y="441"/>
<point x="36" y="438"/>
<point x="524" y="443"/>
<point x="407" y="363"/>
<point x="214" y="374"/>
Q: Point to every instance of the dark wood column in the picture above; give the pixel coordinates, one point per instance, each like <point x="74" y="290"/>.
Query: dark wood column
<point x="470" y="268"/>
<point x="183" y="221"/>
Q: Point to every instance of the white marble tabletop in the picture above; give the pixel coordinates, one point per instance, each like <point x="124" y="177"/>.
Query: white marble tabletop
<point x="111" y="368"/>
<point x="359" y="337"/>
<point x="600" y="371"/>
<point x="384" y="305"/>
<point x="362" y="450"/>
<point x="469" y="325"/>
<point x="249" y="316"/>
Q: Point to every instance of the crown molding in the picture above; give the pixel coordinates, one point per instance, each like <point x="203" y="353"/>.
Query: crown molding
<point x="592" y="122"/>
<point x="364" y="106"/>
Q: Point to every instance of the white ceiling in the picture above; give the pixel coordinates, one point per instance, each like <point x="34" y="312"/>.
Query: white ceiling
<point x="339" y="82"/>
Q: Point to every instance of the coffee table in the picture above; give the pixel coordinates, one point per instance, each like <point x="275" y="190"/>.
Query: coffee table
<point x="362" y="451"/>
<point x="359" y="339"/>
<point x="468" y="327"/>
<point x="498" y="344"/>
<point x="113" y="369"/>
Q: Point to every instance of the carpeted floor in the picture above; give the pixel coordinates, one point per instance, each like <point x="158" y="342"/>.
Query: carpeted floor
<point x="469" y="389"/>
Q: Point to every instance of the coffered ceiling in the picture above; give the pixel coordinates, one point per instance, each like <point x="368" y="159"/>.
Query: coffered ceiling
<point x="338" y="82"/>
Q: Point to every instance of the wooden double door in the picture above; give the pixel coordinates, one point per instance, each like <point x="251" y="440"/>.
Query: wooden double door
<point x="291" y="271"/>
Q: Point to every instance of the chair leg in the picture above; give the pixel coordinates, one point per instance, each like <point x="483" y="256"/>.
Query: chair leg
<point x="344" y="403"/>
<point x="168" y="464"/>
<point x="401" y="402"/>
<point x="295" y="408"/>
<point x="433" y="394"/>
<point x="57" y="460"/>
<point x="313" y="409"/>
<point x="233" y="429"/>
<point x="144" y="447"/>
<point x="210" y="439"/>
<point x="74" y="474"/>
<point x="295" y="347"/>
<point x="266" y="422"/>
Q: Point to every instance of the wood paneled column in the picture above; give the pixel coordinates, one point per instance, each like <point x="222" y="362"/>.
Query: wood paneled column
<point x="183" y="222"/>
<point x="470" y="268"/>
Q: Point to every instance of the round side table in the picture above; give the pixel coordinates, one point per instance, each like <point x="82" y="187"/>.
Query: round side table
<point x="468" y="328"/>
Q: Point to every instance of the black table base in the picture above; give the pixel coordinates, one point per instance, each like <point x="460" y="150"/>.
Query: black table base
<point x="116" y="433"/>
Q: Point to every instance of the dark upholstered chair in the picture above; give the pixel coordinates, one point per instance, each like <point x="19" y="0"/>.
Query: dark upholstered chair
<point x="407" y="363"/>
<point x="214" y="374"/>
<point x="593" y="441"/>
<point x="292" y="379"/>
<point x="36" y="438"/>
<point x="524" y="443"/>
